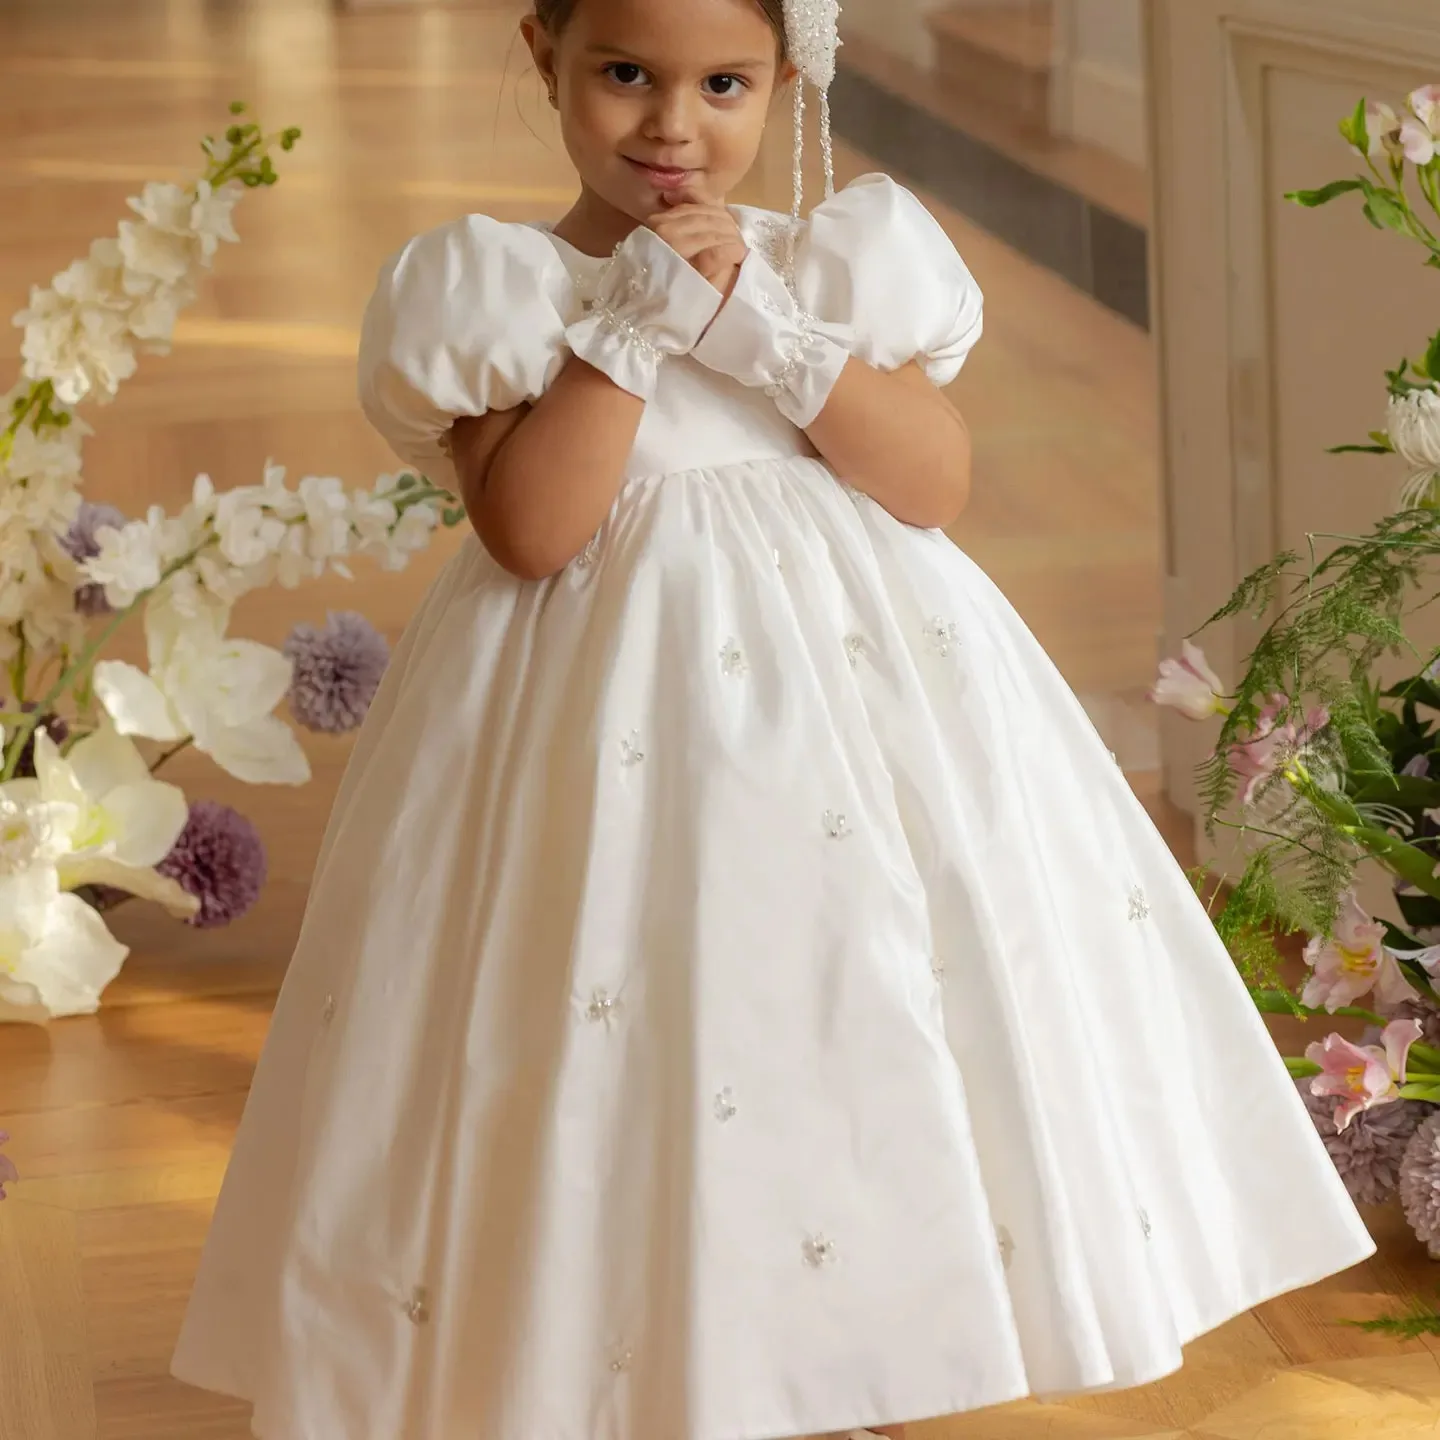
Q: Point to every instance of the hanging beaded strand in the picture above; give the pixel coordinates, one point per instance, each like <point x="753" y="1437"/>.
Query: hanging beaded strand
<point x="798" y="160"/>
<point x="812" y="36"/>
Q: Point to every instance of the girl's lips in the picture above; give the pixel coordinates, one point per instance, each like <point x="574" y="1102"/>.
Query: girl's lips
<point x="663" y="177"/>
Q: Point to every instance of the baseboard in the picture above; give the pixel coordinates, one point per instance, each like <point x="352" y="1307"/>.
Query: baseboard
<point x="1107" y="108"/>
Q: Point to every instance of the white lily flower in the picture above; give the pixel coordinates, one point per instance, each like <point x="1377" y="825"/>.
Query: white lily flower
<point x="208" y="686"/>
<point x="119" y="821"/>
<point x="56" y="956"/>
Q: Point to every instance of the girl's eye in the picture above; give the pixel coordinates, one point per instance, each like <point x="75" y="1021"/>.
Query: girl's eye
<point x="625" y="72"/>
<point x="725" y="87"/>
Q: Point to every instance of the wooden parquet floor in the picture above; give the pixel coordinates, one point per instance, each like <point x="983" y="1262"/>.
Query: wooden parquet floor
<point x="122" y="1123"/>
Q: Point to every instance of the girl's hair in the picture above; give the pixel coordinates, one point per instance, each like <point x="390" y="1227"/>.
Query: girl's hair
<point x="554" y="15"/>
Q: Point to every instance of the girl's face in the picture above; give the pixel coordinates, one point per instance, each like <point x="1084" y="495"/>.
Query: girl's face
<point x="661" y="98"/>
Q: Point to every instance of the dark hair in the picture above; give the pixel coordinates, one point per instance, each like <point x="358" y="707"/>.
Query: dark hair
<point x="555" y="15"/>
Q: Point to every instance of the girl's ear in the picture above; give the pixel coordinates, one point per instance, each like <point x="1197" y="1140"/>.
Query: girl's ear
<point x="542" y="48"/>
<point x="786" y="73"/>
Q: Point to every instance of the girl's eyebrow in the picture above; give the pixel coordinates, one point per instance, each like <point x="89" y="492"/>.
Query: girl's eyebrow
<point x="614" y="52"/>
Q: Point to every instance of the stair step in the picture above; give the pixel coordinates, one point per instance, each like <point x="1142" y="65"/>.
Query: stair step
<point x="1000" y="55"/>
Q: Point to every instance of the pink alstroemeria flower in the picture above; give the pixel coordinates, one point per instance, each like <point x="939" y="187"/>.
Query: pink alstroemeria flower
<point x="1420" y="131"/>
<point x="1383" y="128"/>
<point x="1189" y="685"/>
<point x="1352" y="962"/>
<point x="1269" y="748"/>
<point x="8" y="1173"/>
<point x="1362" y="1076"/>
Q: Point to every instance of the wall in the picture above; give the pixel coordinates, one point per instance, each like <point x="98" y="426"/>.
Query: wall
<point x="897" y="26"/>
<point x="1099" y="91"/>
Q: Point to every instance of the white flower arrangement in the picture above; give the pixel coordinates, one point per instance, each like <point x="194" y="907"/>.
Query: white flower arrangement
<point x="83" y="818"/>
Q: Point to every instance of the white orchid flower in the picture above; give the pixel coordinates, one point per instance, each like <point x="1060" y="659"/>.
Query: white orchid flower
<point x="56" y="956"/>
<point x="209" y="687"/>
<point x="115" y="821"/>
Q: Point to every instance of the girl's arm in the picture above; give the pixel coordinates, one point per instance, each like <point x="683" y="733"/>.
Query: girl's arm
<point x="896" y="437"/>
<point x="538" y="481"/>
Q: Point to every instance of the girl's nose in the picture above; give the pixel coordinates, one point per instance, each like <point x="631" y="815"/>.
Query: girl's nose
<point x="672" y="117"/>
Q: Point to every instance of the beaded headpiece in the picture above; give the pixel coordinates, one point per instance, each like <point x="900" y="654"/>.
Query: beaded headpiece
<point x="812" y="33"/>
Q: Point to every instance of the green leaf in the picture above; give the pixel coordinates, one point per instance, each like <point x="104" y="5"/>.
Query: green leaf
<point x="237" y="107"/>
<point x="1385" y="212"/>
<point x="453" y="517"/>
<point x="1361" y="450"/>
<point x="1430" y="1094"/>
<point x="1313" y="199"/>
<point x="1432" y="358"/>
<point x="1408" y="792"/>
<point x="1411" y="1326"/>
<point x="289" y="137"/>
<point x="1355" y="129"/>
<point x="1301" y="1069"/>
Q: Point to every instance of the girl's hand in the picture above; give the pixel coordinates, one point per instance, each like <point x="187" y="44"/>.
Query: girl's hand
<point x="707" y="236"/>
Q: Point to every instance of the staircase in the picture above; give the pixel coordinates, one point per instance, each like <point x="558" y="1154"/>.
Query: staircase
<point x="998" y="57"/>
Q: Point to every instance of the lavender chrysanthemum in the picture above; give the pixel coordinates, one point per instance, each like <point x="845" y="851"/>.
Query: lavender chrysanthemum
<point x="1422" y="1010"/>
<point x="53" y="725"/>
<point x="1420" y="1183"/>
<point x="80" y="544"/>
<point x="1369" y="1151"/>
<point x="337" y="671"/>
<point x="220" y="859"/>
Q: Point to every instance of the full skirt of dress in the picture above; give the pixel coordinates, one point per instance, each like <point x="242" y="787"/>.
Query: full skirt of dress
<point x="742" y="998"/>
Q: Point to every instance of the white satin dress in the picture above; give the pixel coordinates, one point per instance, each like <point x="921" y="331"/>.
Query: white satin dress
<point x="740" y="996"/>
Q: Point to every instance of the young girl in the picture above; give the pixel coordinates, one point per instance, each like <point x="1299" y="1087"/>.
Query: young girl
<point x="740" y="997"/>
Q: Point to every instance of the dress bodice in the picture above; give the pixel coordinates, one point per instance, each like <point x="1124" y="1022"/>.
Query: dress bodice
<point x="471" y="317"/>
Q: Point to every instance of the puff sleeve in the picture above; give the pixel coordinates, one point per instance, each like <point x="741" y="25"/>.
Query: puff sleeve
<point x="875" y="260"/>
<point x="466" y="319"/>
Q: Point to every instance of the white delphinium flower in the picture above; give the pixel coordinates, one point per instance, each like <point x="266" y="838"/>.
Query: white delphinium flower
<point x="158" y="248"/>
<point x="412" y="533"/>
<point x="209" y="687"/>
<point x="131" y="559"/>
<point x="1414" y="428"/>
<point x="81" y="349"/>
<point x="212" y="217"/>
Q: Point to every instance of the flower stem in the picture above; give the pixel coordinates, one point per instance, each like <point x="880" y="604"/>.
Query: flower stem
<point x="87" y="657"/>
<point x="166" y="756"/>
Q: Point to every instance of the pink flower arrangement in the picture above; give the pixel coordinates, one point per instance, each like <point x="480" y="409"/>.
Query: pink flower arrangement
<point x="1360" y="1077"/>
<point x="1271" y="748"/>
<point x="1351" y="962"/>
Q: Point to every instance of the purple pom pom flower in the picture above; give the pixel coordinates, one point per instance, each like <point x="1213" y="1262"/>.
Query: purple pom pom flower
<point x="220" y="860"/>
<point x="8" y="1173"/>
<point x="81" y="544"/>
<point x="1420" y="1183"/>
<point x="1369" y="1151"/>
<point x="337" y="672"/>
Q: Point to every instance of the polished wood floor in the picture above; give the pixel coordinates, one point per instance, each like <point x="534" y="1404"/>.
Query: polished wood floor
<point x="122" y="1123"/>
